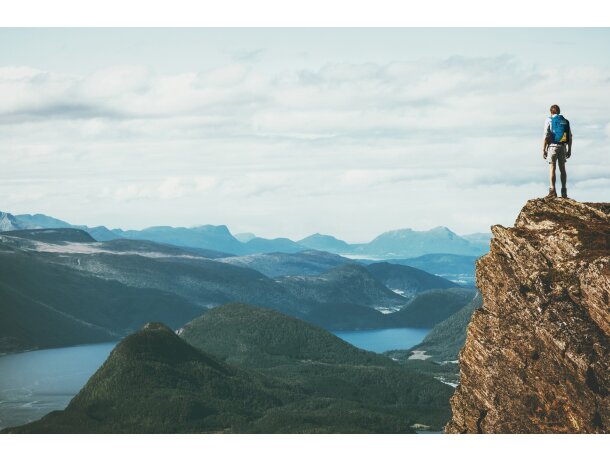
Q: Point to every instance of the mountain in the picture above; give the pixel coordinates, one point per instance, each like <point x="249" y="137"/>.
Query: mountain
<point x="537" y="352"/>
<point x="243" y="335"/>
<point x="318" y="362"/>
<point x="147" y="265"/>
<point x="211" y="237"/>
<point x="326" y="243"/>
<point x="116" y="286"/>
<point x="33" y="221"/>
<point x="53" y="235"/>
<point x="151" y="249"/>
<point x="411" y="243"/>
<point x="9" y="222"/>
<point x="455" y="268"/>
<point x="50" y="302"/>
<point x="258" y="245"/>
<point x="431" y="307"/>
<point x="349" y="283"/>
<point x="405" y="243"/>
<point x="216" y="237"/>
<point x="274" y="264"/>
<point x="41" y="221"/>
<point x="99" y="233"/>
<point x="446" y="339"/>
<point x="155" y="382"/>
<point x="407" y="281"/>
<point x="244" y="237"/>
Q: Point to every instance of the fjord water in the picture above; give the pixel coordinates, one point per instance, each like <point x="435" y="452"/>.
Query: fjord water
<point x="380" y="340"/>
<point x="34" y="383"/>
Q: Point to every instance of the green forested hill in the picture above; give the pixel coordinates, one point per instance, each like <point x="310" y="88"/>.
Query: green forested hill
<point x="156" y="382"/>
<point x="431" y="307"/>
<point x="446" y="339"/>
<point x="317" y="361"/>
<point x="260" y="337"/>
<point x="407" y="281"/>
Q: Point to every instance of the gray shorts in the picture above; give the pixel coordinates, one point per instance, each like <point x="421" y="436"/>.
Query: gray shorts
<point x="557" y="152"/>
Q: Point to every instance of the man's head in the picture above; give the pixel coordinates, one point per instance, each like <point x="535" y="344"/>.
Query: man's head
<point x="555" y="109"/>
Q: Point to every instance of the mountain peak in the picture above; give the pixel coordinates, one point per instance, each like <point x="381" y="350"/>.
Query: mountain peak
<point x="157" y="342"/>
<point x="213" y="229"/>
<point x="537" y="352"/>
<point x="325" y="243"/>
<point x="441" y="229"/>
<point x="8" y="222"/>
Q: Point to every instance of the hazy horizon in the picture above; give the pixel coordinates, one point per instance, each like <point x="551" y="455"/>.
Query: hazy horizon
<point x="234" y="233"/>
<point x="289" y="132"/>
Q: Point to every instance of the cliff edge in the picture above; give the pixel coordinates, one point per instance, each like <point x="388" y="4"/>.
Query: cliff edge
<point x="537" y="352"/>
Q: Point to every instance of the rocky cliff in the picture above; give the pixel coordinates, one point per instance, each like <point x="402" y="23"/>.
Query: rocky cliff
<point x="537" y="352"/>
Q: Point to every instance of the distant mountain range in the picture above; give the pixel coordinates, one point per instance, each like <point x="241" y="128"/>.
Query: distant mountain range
<point x="404" y="243"/>
<point x="241" y="369"/>
<point x="60" y="287"/>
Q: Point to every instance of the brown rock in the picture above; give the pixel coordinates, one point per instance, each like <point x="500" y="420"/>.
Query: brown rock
<point x="537" y="352"/>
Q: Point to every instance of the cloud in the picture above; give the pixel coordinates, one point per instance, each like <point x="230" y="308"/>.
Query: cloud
<point x="446" y="98"/>
<point x="168" y="188"/>
<point x="343" y="142"/>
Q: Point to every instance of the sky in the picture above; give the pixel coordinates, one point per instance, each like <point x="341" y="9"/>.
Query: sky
<point x="289" y="132"/>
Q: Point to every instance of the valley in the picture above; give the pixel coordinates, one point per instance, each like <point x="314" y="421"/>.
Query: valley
<point x="61" y="287"/>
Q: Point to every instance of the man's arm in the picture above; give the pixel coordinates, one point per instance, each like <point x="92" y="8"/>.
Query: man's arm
<point x="545" y="144"/>
<point x="544" y="148"/>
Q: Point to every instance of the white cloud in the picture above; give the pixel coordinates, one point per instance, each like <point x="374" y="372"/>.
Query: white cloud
<point x="109" y="83"/>
<point x="348" y="148"/>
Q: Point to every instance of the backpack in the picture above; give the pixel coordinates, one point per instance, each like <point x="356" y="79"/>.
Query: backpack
<point x="560" y="130"/>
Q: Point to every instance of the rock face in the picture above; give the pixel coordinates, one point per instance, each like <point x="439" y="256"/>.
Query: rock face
<point x="537" y="354"/>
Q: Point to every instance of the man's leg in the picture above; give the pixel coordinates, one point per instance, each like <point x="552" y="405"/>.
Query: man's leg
<point x="564" y="177"/>
<point x="552" y="176"/>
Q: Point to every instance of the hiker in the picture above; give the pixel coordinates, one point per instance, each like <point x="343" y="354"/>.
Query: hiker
<point x="557" y="148"/>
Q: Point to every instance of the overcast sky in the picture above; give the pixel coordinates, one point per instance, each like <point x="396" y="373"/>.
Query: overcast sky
<point x="287" y="132"/>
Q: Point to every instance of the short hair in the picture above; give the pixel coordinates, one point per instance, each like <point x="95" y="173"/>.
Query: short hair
<point x="555" y="109"/>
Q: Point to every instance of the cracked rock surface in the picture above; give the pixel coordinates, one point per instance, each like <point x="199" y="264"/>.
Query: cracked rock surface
<point x="537" y="353"/>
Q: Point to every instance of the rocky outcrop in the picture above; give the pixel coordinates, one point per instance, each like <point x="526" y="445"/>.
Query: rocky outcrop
<point x="536" y="357"/>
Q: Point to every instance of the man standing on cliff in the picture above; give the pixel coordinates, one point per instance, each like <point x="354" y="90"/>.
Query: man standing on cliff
<point x="557" y="148"/>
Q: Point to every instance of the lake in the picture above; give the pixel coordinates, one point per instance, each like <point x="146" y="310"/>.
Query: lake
<point x="380" y="340"/>
<point x="35" y="383"/>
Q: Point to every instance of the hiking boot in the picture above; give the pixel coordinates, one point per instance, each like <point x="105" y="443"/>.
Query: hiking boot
<point x="552" y="193"/>
<point x="564" y="193"/>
